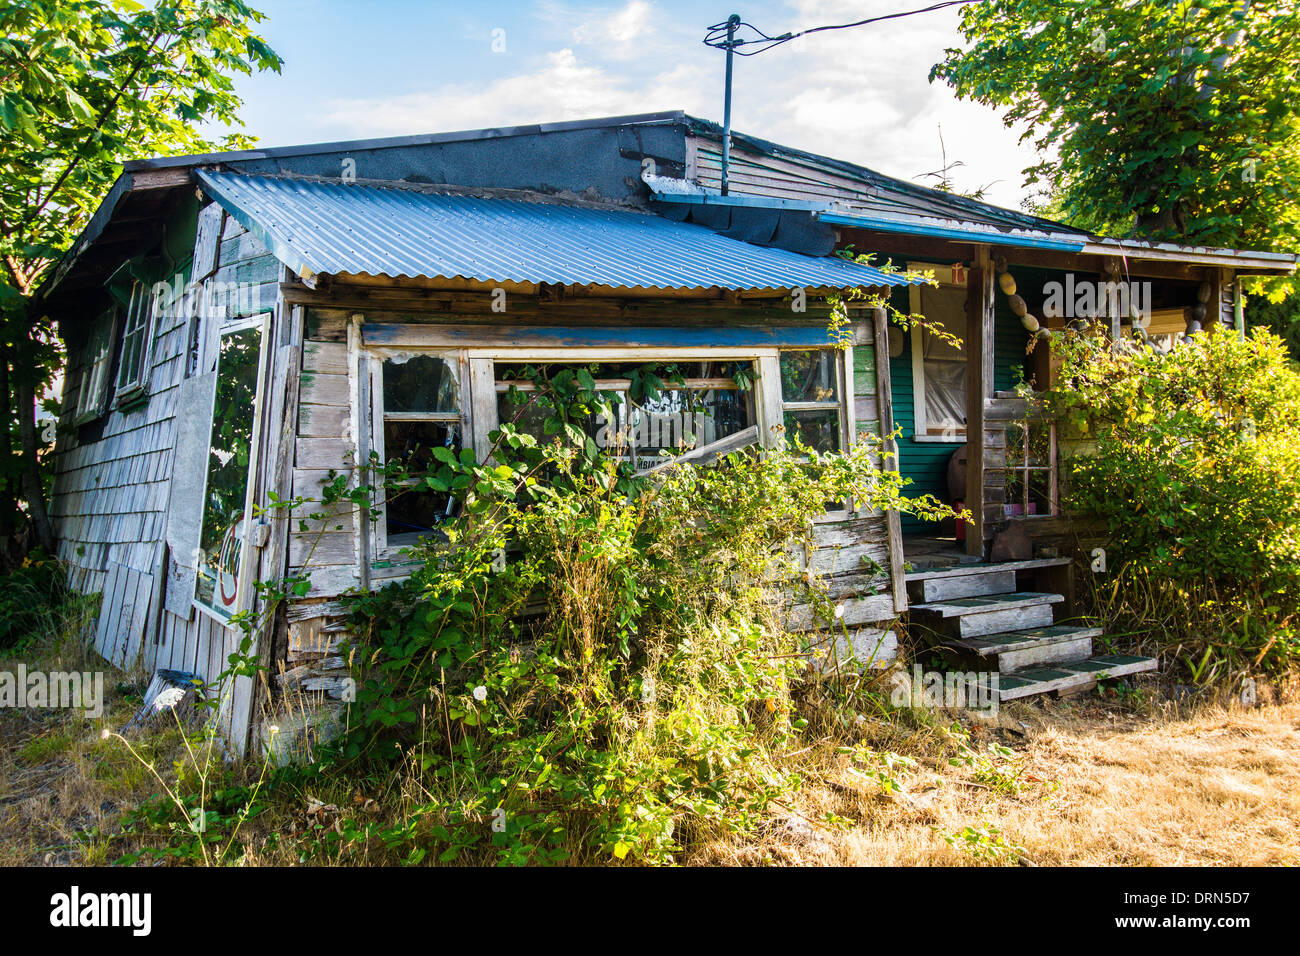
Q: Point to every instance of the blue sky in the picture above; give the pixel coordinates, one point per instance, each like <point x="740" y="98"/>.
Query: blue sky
<point x="392" y="67"/>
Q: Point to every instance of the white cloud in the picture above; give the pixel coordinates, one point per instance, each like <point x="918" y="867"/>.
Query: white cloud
<point x="621" y="33"/>
<point x="860" y="95"/>
<point x="564" y="88"/>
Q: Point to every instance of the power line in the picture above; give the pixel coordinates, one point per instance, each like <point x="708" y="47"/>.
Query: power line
<point x="721" y="36"/>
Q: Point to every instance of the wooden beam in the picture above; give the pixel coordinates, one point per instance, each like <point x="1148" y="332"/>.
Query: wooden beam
<point x="885" y="410"/>
<point x="979" y="386"/>
<point x="920" y="247"/>
<point x="630" y="339"/>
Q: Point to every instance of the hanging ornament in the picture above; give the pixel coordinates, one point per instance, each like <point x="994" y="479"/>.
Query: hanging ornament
<point x="1007" y="283"/>
<point x="1029" y="322"/>
<point x="1017" y="305"/>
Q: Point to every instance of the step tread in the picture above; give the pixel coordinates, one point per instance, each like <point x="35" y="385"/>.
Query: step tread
<point x="1067" y="674"/>
<point x="991" y="644"/>
<point x="980" y="603"/>
<point x="962" y="570"/>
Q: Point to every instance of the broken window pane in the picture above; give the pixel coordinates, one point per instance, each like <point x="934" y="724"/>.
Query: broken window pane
<point x="421" y="383"/>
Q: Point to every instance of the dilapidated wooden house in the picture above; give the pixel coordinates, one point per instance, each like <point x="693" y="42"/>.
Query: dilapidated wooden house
<point x="240" y="324"/>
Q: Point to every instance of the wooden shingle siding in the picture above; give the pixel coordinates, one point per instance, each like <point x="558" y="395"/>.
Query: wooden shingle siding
<point x="113" y="484"/>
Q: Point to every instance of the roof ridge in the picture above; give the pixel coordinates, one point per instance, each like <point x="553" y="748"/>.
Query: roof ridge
<point x="537" y="197"/>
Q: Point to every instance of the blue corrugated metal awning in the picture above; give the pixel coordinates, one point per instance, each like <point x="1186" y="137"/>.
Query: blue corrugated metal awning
<point x="347" y="229"/>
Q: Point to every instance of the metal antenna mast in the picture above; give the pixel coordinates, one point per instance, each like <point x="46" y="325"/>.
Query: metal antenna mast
<point x="729" y="45"/>
<point x="722" y="36"/>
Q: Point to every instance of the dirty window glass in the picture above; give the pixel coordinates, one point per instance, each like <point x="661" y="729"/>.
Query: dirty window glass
<point x="943" y="361"/>
<point x="810" y="397"/>
<point x="230" y="448"/>
<point x="700" y="403"/>
<point x="421" y="398"/>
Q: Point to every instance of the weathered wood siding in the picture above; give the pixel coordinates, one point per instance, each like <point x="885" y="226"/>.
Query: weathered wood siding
<point x="113" y="485"/>
<point x="109" y="500"/>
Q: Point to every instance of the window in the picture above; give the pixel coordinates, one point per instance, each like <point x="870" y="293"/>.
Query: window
<point x="939" y="363"/>
<point x="133" y="369"/>
<point x="1030" y="473"/>
<point x="699" y="403"/>
<point x="810" y="398"/>
<point x="223" y="583"/>
<point x="94" y="374"/>
<point x="421" y="408"/>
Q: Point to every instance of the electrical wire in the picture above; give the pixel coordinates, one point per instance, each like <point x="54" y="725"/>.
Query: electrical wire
<point x="717" y="34"/>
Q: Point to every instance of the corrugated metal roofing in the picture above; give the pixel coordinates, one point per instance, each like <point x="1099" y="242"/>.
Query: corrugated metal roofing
<point x="350" y="229"/>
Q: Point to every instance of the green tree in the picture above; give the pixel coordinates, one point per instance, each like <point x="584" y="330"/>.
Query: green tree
<point x="85" y="85"/>
<point x="1168" y="121"/>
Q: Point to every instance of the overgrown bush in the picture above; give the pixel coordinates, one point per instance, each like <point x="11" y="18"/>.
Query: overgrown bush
<point x="595" y="661"/>
<point x="31" y="599"/>
<point x="1191" y="461"/>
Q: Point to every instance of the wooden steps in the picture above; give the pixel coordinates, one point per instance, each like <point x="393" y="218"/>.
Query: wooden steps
<point x="1035" y="646"/>
<point x="976" y="611"/>
<point x="987" y="614"/>
<point x="1070" y="677"/>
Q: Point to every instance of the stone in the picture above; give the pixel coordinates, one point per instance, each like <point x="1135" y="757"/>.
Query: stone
<point x="1012" y="544"/>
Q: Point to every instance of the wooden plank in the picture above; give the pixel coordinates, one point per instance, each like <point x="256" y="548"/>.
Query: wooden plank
<point x="110" y="604"/>
<point x="362" y="390"/>
<point x="659" y="339"/>
<point x="481" y="402"/>
<point x="325" y="453"/>
<point x="771" y="417"/>
<point x="979" y="386"/>
<point x="968" y="585"/>
<point x="207" y="236"/>
<point x="324" y="421"/>
<point x="884" y="400"/>
<point x="325" y="357"/>
<point x="854" y="611"/>
<point x="325" y="548"/>
<point x="324" y="389"/>
<point x="303" y="610"/>
<point x="331" y="581"/>
<point x="964" y="569"/>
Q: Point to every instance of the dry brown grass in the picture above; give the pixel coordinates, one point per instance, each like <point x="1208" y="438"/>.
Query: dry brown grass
<point x="1168" y="784"/>
<point x="1094" y="782"/>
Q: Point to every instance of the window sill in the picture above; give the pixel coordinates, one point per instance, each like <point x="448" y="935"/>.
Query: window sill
<point x="958" y="438"/>
<point x="130" y="400"/>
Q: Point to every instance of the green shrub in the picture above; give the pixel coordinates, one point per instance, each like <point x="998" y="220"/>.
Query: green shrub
<point x="31" y="599"/>
<point x="1191" y="462"/>
<point x="622" y="685"/>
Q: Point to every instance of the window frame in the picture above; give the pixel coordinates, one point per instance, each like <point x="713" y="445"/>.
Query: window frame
<point x="503" y="386"/>
<point x="372" y="362"/>
<point x="843" y="403"/>
<point x="1021" y="469"/>
<point x="141" y="319"/>
<point x="477" y="386"/>
<point x="248" y="553"/>
<point x="920" y="423"/>
<point x="97" y="372"/>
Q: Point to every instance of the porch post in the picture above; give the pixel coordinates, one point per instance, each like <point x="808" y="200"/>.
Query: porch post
<point x="979" y="387"/>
